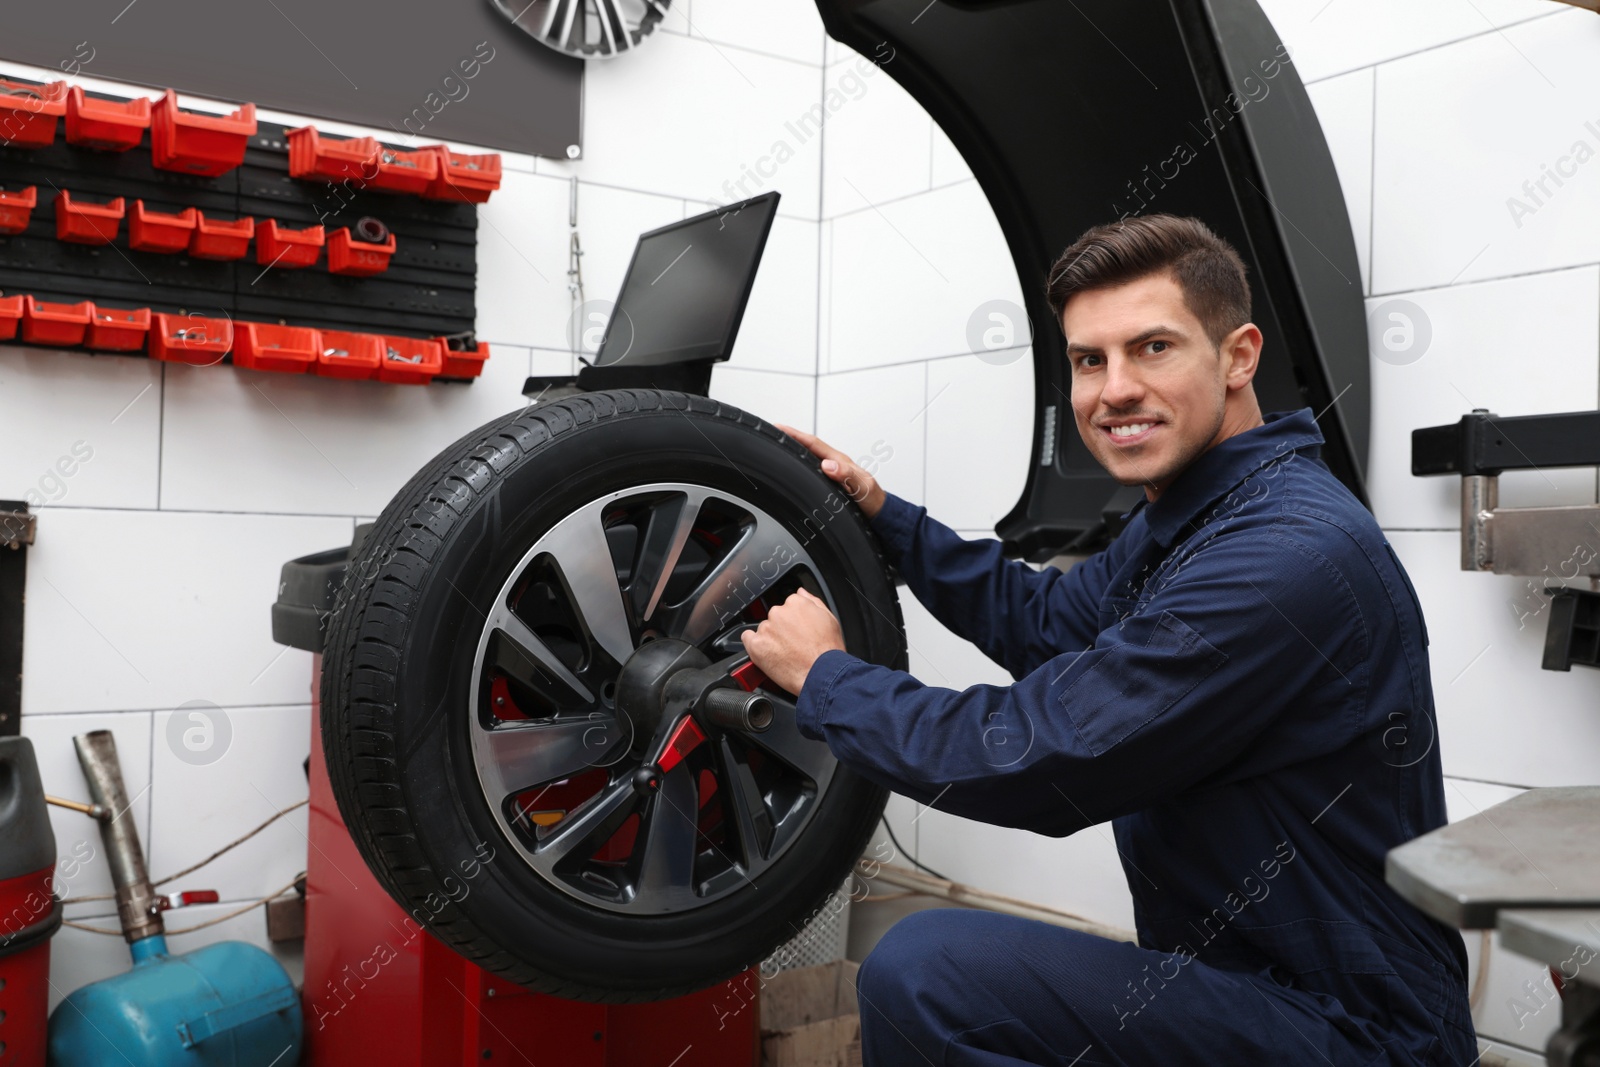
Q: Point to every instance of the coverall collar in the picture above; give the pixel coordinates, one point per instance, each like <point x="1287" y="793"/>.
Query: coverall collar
<point x="1218" y="469"/>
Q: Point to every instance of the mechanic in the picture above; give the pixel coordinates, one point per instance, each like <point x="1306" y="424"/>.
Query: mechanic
<point x="1239" y="683"/>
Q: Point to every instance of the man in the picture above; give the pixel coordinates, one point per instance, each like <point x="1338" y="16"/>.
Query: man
<point x="1239" y="682"/>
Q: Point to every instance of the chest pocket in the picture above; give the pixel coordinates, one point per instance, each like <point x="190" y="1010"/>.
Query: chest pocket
<point x="1132" y="683"/>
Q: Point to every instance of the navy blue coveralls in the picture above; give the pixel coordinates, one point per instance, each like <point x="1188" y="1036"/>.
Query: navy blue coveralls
<point x="1240" y="683"/>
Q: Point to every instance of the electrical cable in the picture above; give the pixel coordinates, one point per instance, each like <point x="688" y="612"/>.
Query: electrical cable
<point x="902" y="849"/>
<point x="197" y="926"/>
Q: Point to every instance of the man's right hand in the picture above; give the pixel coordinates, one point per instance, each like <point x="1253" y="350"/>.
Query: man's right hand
<point x="862" y="487"/>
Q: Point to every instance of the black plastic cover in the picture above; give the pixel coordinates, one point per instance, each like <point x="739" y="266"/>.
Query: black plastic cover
<point x="27" y="843"/>
<point x="308" y="590"/>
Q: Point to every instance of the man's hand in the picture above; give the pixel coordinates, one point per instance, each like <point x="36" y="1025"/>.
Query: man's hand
<point x="862" y="487"/>
<point x="791" y="638"/>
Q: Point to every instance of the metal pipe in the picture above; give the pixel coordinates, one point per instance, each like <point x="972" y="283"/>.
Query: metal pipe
<point x="738" y="710"/>
<point x="982" y="898"/>
<point x="136" y="899"/>
<point x="1480" y="495"/>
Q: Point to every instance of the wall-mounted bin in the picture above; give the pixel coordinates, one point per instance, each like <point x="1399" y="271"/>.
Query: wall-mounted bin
<point x="16" y="208"/>
<point x="409" y="360"/>
<point x="88" y="224"/>
<point x="347" y="255"/>
<point x="199" y="144"/>
<point x="190" y="339"/>
<point x="463" y="362"/>
<point x="158" y="231"/>
<point x="119" y="329"/>
<point x="55" y="324"/>
<point x="349" y="355"/>
<point x="11" y="318"/>
<point x="28" y="113"/>
<point x="278" y="246"/>
<point x="464" y="177"/>
<point x="406" y="172"/>
<point x="263" y="346"/>
<point x="313" y="157"/>
<point x="216" y="239"/>
<point x="114" y="125"/>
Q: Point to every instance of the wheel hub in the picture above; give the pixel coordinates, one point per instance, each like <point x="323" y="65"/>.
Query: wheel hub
<point x="642" y="684"/>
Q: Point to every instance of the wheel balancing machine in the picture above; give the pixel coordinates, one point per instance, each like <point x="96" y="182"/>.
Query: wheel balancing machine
<point x="229" y="1004"/>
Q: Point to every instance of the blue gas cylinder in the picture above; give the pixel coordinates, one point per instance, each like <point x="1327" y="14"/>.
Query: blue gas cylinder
<point x="229" y="1004"/>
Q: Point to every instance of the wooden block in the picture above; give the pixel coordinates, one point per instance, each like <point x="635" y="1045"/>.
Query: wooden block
<point x="809" y="1019"/>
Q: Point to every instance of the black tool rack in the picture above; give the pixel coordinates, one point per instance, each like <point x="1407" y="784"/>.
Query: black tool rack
<point x="427" y="291"/>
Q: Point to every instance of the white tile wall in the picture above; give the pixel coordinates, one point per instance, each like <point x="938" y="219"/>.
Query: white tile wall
<point x="876" y="416"/>
<point x="1501" y="718"/>
<point x="1448" y="178"/>
<point x="980" y="436"/>
<point x="779" y="331"/>
<point x="693" y="119"/>
<point x="775" y="397"/>
<point x="83" y="430"/>
<point x="1344" y="109"/>
<point x="262" y="442"/>
<point x="904" y="280"/>
<point x="1330" y="36"/>
<point x="879" y="139"/>
<point x="790" y="28"/>
<point x="1520" y="346"/>
<point x="219" y="776"/>
<point x="143" y="609"/>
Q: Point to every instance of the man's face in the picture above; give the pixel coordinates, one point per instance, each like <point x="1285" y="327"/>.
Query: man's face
<point x="1141" y="359"/>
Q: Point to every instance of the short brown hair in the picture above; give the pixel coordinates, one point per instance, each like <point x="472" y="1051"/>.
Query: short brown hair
<point x="1206" y="268"/>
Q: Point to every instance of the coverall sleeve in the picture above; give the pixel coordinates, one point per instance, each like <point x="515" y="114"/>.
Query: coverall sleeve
<point x="1017" y="616"/>
<point x="1253" y="629"/>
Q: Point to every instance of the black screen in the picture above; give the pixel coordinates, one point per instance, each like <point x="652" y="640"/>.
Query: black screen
<point x="686" y="288"/>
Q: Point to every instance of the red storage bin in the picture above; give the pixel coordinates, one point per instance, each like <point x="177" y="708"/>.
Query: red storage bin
<point x="199" y="144"/>
<point x="264" y="346"/>
<point x="215" y="239"/>
<point x="88" y="224"/>
<point x="119" y="329"/>
<point x="16" y="208"/>
<point x="190" y="339"/>
<point x="463" y="362"/>
<point x="312" y="156"/>
<point x="158" y="231"/>
<point x="11" y="317"/>
<point x="409" y="360"/>
<point x="28" y="113"/>
<point x="464" y="177"/>
<point x="346" y="255"/>
<point x="278" y="246"/>
<point x="55" y="324"/>
<point x="406" y="172"/>
<point x="349" y="355"/>
<point x="116" y="125"/>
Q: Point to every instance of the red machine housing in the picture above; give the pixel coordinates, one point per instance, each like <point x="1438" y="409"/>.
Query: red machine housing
<point x="380" y="989"/>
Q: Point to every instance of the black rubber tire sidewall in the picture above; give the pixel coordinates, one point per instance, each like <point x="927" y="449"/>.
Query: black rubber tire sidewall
<point x="398" y="668"/>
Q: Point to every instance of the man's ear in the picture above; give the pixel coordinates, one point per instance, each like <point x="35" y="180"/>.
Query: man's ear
<point x="1242" y="351"/>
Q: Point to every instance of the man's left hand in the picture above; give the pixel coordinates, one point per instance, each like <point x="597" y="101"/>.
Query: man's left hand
<point x="791" y="638"/>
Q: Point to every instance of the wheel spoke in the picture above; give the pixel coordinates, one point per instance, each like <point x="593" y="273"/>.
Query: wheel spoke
<point x="667" y="843"/>
<point x="524" y="656"/>
<point x="580" y="835"/>
<point x="784" y="740"/>
<point x="751" y="817"/>
<point x="523" y="755"/>
<point x="583" y="556"/>
<point x="660" y="548"/>
<point x="764" y="553"/>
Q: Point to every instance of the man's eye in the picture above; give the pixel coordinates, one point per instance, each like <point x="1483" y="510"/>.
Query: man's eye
<point x="1157" y="347"/>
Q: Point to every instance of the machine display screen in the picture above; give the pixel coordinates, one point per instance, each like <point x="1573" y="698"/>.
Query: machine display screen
<point x="686" y="289"/>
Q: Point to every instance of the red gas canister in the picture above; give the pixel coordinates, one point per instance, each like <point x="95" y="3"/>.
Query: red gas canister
<point x="30" y="914"/>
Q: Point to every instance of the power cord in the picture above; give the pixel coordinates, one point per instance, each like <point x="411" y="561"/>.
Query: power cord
<point x="902" y="850"/>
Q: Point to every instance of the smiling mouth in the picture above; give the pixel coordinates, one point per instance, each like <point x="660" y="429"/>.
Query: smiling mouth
<point x="1133" y="433"/>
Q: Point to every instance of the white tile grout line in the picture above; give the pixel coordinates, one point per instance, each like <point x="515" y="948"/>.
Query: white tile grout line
<point x="1435" y="47"/>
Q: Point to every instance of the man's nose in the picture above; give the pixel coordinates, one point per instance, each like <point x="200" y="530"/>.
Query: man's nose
<point x="1123" y="384"/>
